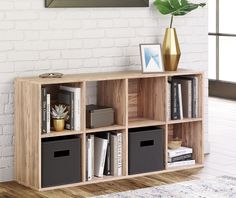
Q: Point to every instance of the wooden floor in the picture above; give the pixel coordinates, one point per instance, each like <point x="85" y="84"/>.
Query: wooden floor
<point x="221" y="161"/>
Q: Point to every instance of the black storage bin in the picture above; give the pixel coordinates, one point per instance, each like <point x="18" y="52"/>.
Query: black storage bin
<point x="60" y="161"/>
<point x="146" y="150"/>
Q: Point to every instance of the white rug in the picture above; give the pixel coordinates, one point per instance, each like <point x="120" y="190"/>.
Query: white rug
<point x="218" y="187"/>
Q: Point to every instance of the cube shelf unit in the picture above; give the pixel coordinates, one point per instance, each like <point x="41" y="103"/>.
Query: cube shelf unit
<point x="139" y="100"/>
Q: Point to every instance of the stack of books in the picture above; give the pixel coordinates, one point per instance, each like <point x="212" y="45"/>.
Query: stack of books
<point x="182" y="156"/>
<point x="183" y="97"/>
<point x="104" y="155"/>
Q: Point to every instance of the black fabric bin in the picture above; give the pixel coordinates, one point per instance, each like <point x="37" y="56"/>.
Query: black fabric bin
<point x="146" y="150"/>
<point x="60" y="161"/>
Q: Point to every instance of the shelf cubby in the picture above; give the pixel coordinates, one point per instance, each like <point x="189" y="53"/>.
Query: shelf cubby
<point x="146" y="101"/>
<point x="191" y="135"/>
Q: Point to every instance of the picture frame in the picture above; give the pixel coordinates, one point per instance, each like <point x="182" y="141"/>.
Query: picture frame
<point x="95" y="3"/>
<point x="151" y="58"/>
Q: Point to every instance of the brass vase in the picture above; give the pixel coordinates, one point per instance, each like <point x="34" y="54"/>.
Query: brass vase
<point x="171" y="50"/>
<point x="58" y="124"/>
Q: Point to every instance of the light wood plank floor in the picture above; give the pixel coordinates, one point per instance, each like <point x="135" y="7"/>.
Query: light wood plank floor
<point x="221" y="161"/>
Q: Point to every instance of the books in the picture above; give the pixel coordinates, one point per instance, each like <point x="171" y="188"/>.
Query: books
<point x="90" y="157"/>
<point x="187" y="156"/>
<point x="76" y="106"/>
<point x="100" y="149"/>
<point x="181" y="163"/>
<point x="184" y="97"/>
<point x="116" y="154"/>
<point x="45" y="115"/>
<point x="180" y="151"/>
<point x="180" y="157"/>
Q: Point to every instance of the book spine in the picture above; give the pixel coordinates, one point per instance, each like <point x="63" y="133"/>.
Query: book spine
<point x="181" y="163"/>
<point x="174" y="99"/>
<point x="103" y="158"/>
<point x="72" y="111"/>
<point x="48" y="114"/>
<point x="189" y="99"/>
<point x="174" y="96"/>
<point x="92" y="155"/>
<point x="114" y="155"/>
<point x="178" y="153"/>
<point x="194" y="98"/>
<point x="180" y="158"/>
<point x="88" y="159"/>
<point x="197" y="97"/>
<point x="180" y="101"/>
<point x="169" y="101"/>
<point x="44" y="110"/>
<point x="77" y="109"/>
<point x="119" y="154"/>
<point x="107" y="169"/>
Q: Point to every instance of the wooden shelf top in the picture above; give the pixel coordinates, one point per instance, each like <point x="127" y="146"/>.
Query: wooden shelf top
<point x="185" y="120"/>
<point x="104" y="76"/>
<point x="108" y="128"/>
<point x="142" y="122"/>
<point x="63" y="133"/>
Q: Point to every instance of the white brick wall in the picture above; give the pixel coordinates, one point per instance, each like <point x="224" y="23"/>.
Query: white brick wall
<point x="35" y="40"/>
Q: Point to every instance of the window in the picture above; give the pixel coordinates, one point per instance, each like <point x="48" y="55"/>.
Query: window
<point x="222" y="48"/>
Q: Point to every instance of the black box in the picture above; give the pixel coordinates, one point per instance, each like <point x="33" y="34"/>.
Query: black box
<point x="146" y="150"/>
<point x="61" y="161"/>
<point x="98" y="116"/>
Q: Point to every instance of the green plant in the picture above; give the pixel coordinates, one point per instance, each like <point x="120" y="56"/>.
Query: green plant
<point x="176" y="7"/>
<point x="59" y="112"/>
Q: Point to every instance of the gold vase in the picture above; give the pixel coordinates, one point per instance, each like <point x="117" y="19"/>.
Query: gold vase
<point x="171" y="50"/>
<point x="58" y="124"/>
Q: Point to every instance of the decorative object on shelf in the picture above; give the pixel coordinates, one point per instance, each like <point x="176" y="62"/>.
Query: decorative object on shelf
<point x="51" y="75"/>
<point x="175" y="143"/>
<point x="95" y="3"/>
<point x="59" y="115"/>
<point x="170" y="48"/>
<point x="151" y="58"/>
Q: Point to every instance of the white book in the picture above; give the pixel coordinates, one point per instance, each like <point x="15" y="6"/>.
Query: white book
<point x="180" y="151"/>
<point x="119" y="154"/>
<point x="100" y="150"/>
<point x="180" y="101"/>
<point x="181" y="163"/>
<point x="114" y="155"/>
<point x="48" y="113"/>
<point x="77" y="92"/>
<point x="89" y="152"/>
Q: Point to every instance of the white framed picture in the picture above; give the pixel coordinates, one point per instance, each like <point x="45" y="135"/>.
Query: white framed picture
<point x="151" y="58"/>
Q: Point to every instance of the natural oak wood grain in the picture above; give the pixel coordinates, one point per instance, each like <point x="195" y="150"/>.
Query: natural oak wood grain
<point x="27" y="134"/>
<point x="139" y="100"/>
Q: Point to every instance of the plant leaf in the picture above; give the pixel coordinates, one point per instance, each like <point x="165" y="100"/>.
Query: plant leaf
<point x="176" y="7"/>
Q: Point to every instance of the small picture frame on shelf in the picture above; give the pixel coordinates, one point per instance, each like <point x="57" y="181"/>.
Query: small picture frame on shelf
<point x="151" y="58"/>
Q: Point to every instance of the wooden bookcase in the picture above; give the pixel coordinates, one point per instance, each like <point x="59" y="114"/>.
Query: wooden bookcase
<point x="138" y="99"/>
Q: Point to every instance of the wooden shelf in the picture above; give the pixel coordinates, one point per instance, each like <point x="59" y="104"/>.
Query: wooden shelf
<point x="184" y="120"/>
<point x="139" y="100"/>
<point x="63" y="133"/>
<point x="108" y="128"/>
<point x="142" y="122"/>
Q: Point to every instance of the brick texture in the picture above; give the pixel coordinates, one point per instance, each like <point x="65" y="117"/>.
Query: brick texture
<point x="35" y="40"/>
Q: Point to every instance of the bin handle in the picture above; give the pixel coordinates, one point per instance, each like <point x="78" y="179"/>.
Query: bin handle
<point x="62" y="153"/>
<point x="146" y="143"/>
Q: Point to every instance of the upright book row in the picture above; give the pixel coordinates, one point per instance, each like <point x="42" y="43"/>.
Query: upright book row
<point x="183" y="97"/>
<point x="104" y="155"/>
<point x="67" y="96"/>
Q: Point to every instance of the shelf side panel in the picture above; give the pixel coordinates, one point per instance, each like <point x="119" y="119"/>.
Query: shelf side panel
<point x="27" y="134"/>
